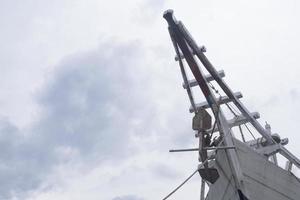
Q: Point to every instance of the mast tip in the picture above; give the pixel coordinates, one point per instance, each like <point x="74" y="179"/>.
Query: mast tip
<point x="168" y="14"/>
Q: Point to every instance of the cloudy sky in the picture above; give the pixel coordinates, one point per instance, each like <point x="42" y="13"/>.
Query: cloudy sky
<point x="91" y="98"/>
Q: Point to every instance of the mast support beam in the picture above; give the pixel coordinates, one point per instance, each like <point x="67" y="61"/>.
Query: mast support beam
<point x="222" y="100"/>
<point x="238" y="120"/>
<point x="208" y="77"/>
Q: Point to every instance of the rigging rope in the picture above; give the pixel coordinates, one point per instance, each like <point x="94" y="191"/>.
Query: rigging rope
<point x="250" y="132"/>
<point x="206" y="160"/>
<point x="186" y="180"/>
<point x="202" y="164"/>
<point x="242" y="134"/>
<point x="232" y="110"/>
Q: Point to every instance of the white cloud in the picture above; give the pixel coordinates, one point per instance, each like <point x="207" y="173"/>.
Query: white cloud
<point x="91" y="97"/>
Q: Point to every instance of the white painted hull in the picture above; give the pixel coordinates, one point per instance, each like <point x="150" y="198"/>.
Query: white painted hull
<point x="263" y="180"/>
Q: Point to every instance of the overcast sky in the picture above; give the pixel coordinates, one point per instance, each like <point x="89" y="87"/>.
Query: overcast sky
<point x="91" y="98"/>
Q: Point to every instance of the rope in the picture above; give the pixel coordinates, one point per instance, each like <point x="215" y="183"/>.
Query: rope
<point x="177" y="188"/>
<point x="231" y="110"/>
<point x="214" y="89"/>
<point x="250" y="132"/>
<point x="206" y="160"/>
<point x="217" y="92"/>
<point x="237" y="111"/>
<point x="234" y="112"/>
<point x="202" y="164"/>
<point x="216" y="121"/>
<point x="216" y="118"/>
<point x="241" y="131"/>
